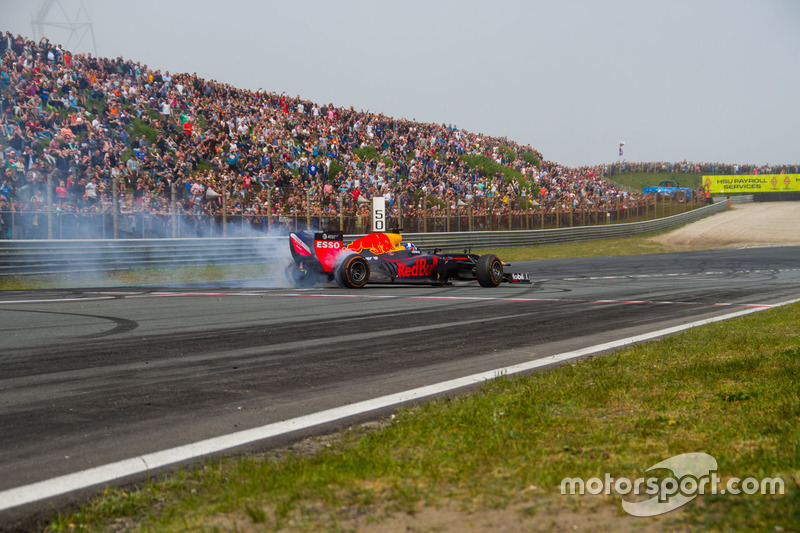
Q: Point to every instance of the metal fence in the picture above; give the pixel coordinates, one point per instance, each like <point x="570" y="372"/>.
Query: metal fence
<point x="73" y="224"/>
<point x="20" y="257"/>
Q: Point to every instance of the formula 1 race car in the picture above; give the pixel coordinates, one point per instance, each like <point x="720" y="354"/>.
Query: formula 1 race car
<point x="384" y="258"/>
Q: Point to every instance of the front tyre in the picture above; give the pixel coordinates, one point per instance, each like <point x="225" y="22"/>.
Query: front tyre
<point x="489" y="270"/>
<point x="352" y="272"/>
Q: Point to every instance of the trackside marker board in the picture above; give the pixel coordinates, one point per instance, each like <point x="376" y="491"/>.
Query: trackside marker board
<point x="378" y="214"/>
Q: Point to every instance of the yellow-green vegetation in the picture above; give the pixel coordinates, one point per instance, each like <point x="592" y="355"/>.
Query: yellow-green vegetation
<point x="637" y="245"/>
<point x="491" y="167"/>
<point x="370" y="152"/>
<point x="139" y="276"/>
<point x="727" y="389"/>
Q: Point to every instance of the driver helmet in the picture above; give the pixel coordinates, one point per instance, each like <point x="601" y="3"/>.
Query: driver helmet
<point x="410" y="247"/>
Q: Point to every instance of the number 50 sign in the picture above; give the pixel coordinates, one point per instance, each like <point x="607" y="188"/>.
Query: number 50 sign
<point x="378" y="213"/>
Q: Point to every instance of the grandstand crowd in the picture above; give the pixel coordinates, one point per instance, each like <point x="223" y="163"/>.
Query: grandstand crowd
<point x="85" y="123"/>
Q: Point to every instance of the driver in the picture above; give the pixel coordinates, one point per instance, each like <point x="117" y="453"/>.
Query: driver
<point x="410" y="247"/>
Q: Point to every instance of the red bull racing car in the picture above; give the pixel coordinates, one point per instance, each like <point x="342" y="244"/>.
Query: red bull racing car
<point x="384" y="258"/>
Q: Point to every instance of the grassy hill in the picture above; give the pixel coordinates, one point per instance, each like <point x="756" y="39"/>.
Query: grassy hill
<point x="635" y="181"/>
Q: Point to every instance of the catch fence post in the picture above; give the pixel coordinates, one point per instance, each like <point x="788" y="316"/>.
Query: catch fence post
<point x="224" y="206"/>
<point x="527" y="214"/>
<point x="308" y="208"/>
<point x="115" y="207"/>
<point x="399" y="201"/>
<point x="50" y="205"/>
<point x="424" y="213"/>
<point x="341" y="211"/>
<point x="173" y="209"/>
<point x="269" y="209"/>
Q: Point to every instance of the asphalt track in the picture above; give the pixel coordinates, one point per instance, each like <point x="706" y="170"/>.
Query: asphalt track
<point x="93" y="376"/>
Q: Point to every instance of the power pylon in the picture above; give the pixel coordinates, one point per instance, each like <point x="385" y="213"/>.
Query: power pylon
<point x="54" y="16"/>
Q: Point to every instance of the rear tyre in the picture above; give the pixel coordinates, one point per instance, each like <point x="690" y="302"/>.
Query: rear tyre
<point x="489" y="270"/>
<point x="681" y="197"/>
<point x="352" y="272"/>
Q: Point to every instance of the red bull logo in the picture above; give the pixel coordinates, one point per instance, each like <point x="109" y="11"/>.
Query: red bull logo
<point x="376" y="243"/>
<point x="421" y="268"/>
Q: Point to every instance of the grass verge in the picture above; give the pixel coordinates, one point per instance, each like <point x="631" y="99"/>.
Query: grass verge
<point x="728" y="389"/>
<point x="637" y="245"/>
<point x="139" y="276"/>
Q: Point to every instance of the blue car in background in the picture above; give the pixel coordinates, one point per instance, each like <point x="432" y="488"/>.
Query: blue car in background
<point x="672" y="189"/>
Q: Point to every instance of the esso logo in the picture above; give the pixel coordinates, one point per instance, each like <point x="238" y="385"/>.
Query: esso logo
<point x="329" y="244"/>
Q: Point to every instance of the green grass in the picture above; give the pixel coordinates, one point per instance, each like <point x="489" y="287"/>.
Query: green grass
<point x="491" y="167"/>
<point x="637" y="245"/>
<point x="371" y="152"/>
<point x="139" y="128"/>
<point x="531" y="159"/>
<point x="636" y="181"/>
<point x="727" y="389"/>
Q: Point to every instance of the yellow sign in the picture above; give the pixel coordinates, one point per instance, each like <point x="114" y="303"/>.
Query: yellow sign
<point x="751" y="183"/>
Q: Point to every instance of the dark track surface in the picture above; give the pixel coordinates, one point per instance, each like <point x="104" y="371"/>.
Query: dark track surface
<point x="88" y="378"/>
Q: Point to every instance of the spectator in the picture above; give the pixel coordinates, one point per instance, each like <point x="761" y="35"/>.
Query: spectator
<point x="260" y="141"/>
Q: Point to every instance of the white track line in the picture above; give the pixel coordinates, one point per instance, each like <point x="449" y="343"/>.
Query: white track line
<point x="402" y="297"/>
<point x="138" y="465"/>
<point x="54" y="300"/>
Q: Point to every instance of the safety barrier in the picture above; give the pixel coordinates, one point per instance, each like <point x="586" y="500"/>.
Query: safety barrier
<point x="21" y="257"/>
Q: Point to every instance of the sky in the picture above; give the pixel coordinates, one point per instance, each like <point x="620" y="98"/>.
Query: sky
<point x="696" y="80"/>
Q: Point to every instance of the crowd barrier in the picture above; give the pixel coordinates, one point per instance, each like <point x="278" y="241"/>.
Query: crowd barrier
<point x="21" y="257"/>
